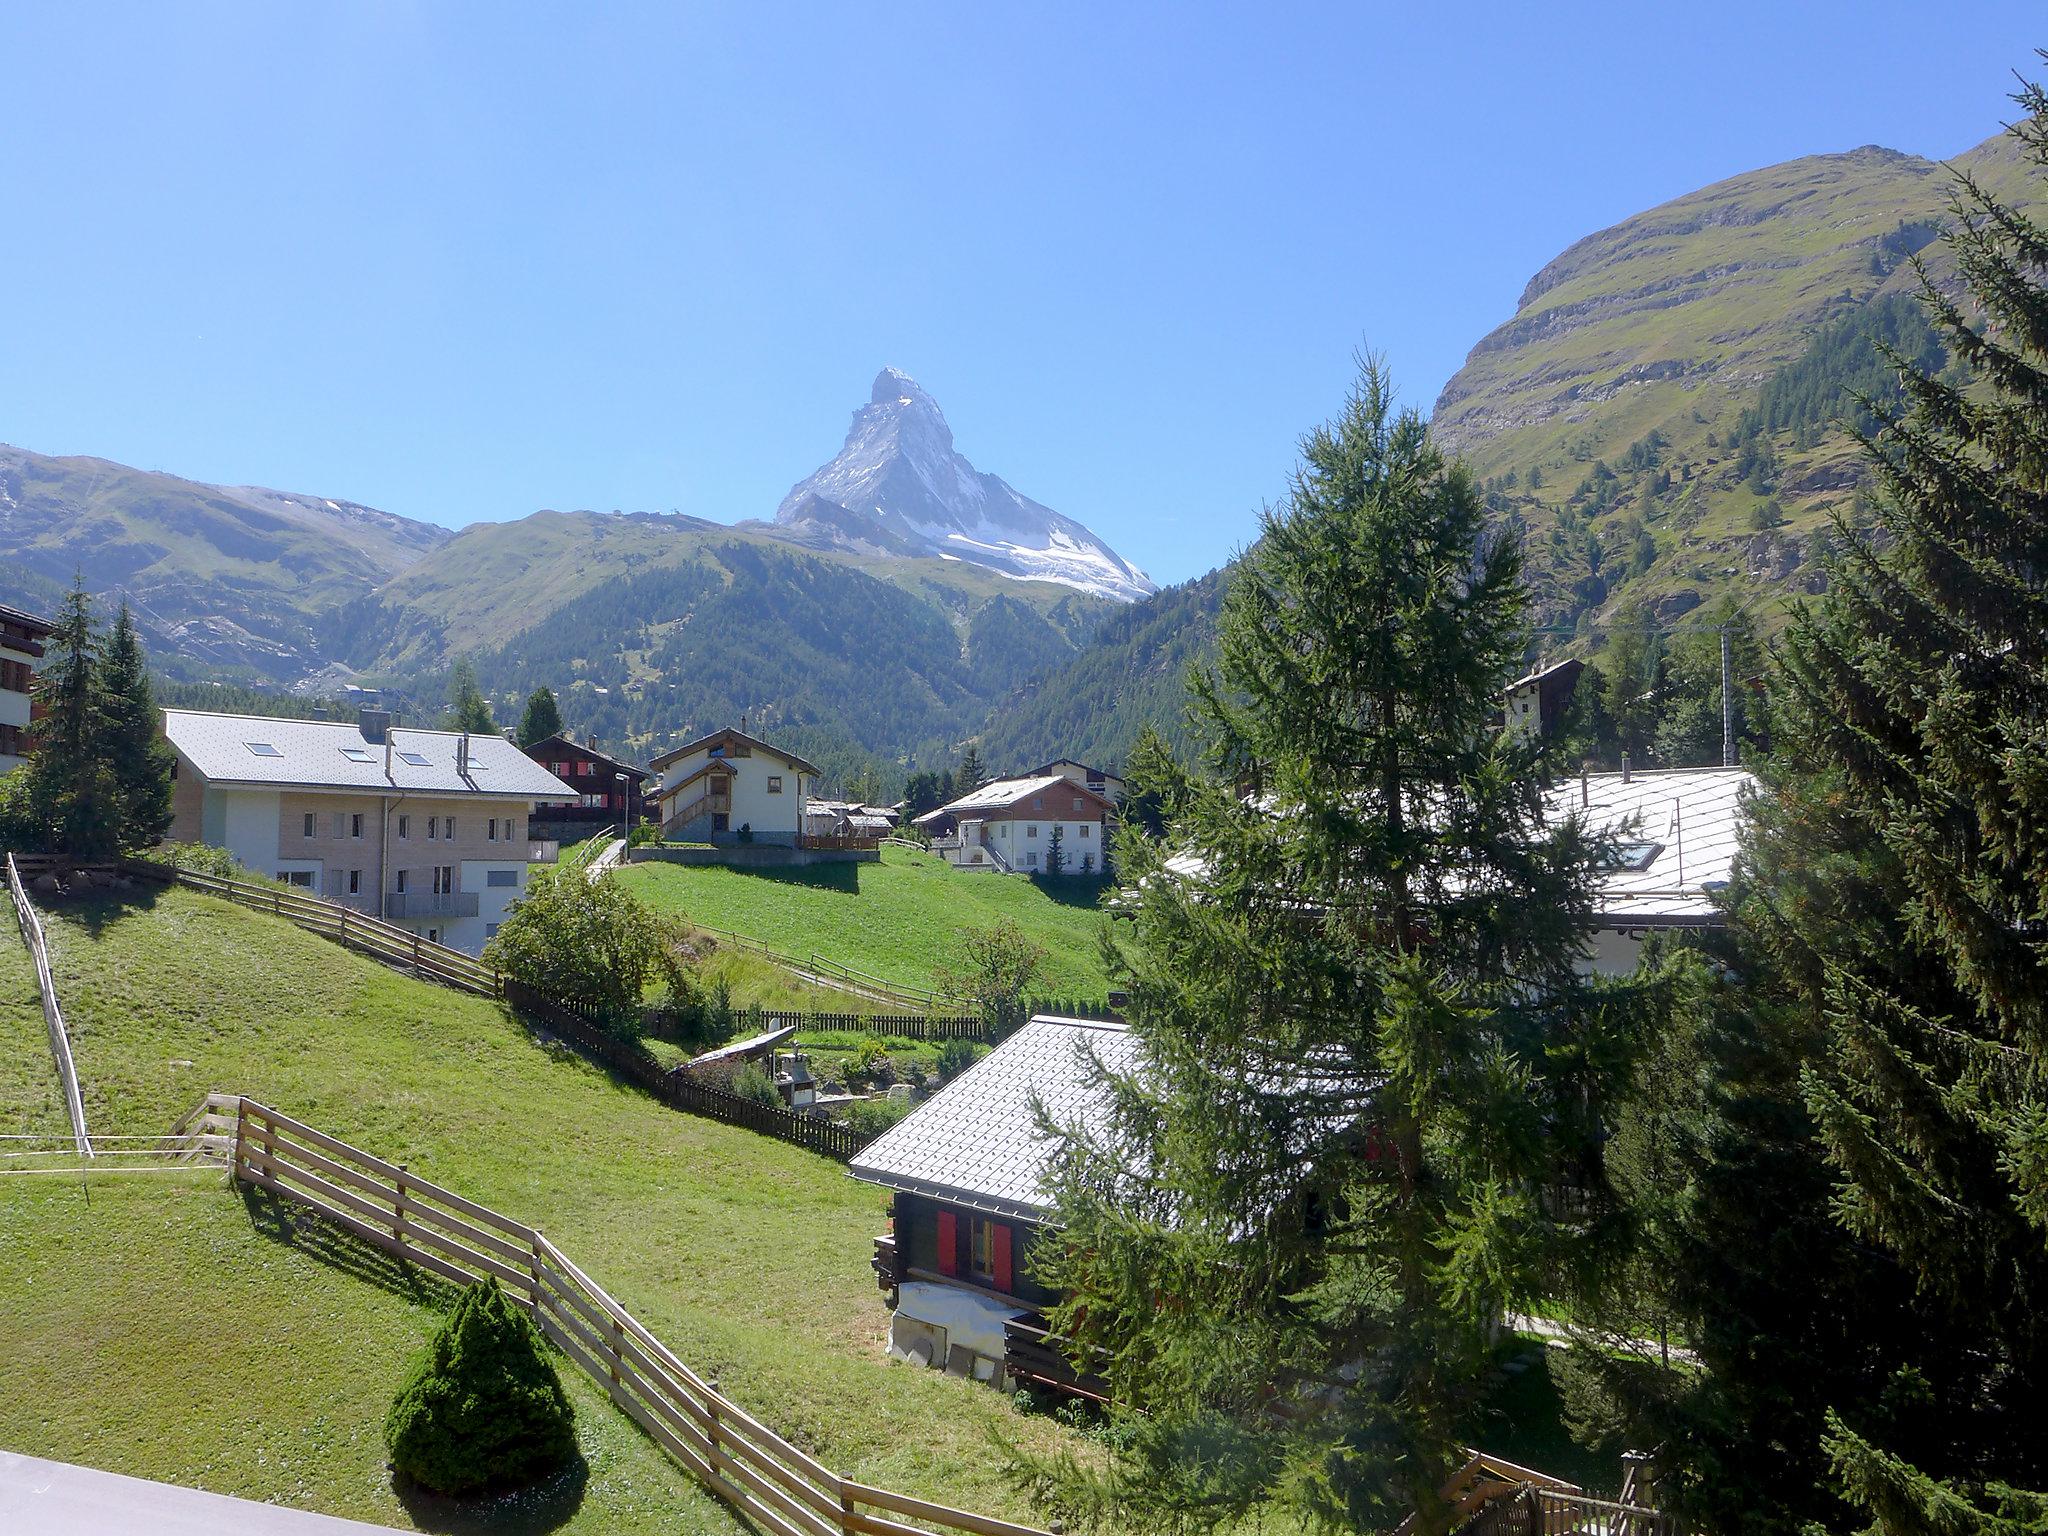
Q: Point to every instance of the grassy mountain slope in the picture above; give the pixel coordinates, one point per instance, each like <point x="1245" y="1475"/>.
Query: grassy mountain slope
<point x="653" y="629"/>
<point x="747" y="1256"/>
<point x="1630" y="377"/>
<point x="220" y="577"/>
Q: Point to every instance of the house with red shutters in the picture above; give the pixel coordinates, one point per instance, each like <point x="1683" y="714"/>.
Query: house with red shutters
<point x="968" y="1206"/>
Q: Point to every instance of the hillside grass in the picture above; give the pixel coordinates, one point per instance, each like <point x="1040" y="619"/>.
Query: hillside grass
<point x="31" y="1096"/>
<point x="901" y="919"/>
<point x="747" y="1256"/>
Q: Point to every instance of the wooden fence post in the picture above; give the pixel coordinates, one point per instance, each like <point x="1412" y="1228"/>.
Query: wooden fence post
<point x="398" y="1211"/>
<point x="533" y="1267"/>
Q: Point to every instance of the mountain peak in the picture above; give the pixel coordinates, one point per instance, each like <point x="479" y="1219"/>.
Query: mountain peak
<point x="898" y="486"/>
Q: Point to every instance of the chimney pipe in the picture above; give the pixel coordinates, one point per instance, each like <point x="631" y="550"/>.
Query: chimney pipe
<point x="319" y="711"/>
<point x="1624" y="767"/>
<point x="1585" y="793"/>
<point x="462" y="756"/>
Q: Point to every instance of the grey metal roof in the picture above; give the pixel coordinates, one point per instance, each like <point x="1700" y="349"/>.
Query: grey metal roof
<point x="1695" y="814"/>
<point x="309" y="755"/>
<point x="976" y="1142"/>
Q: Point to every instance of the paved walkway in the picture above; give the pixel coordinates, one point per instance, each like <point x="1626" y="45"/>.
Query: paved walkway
<point x="54" y="1498"/>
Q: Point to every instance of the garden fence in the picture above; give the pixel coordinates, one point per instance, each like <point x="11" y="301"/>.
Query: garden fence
<point x="778" y="1486"/>
<point x="53" y="1016"/>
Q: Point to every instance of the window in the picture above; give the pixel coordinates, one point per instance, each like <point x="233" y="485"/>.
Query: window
<point x="1087" y="862"/>
<point x="451" y="829"/>
<point x="433" y="828"/>
<point x="774" y="783"/>
<point x="595" y="802"/>
<point x="1085" y="828"/>
<point x="585" y="770"/>
<point x="302" y="878"/>
<point x="355" y="824"/>
<point x="1031" y="859"/>
<point x="417" y="759"/>
<point x="499" y="879"/>
<point x="1038" y="802"/>
<point x="405" y="826"/>
<point x="356" y="754"/>
<point x="989" y="1253"/>
<point x="355" y="882"/>
<point x="262" y="749"/>
<point x="444" y="879"/>
<point x="433" y="935"/>
<point x="1634" y="856"/>
<point x="404" y="881"/>
<point x="718" y="751"/>
<point x="490" y="930"/>
<point x="494" y="829"/>
<point x="1032" y="830"/>
<point x="1077" y="802"/>
<point x="306" y="826"/>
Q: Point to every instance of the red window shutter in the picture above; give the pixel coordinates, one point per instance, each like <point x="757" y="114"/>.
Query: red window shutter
<point x="949" y="1245"/>
<point x="999" y="1236"/>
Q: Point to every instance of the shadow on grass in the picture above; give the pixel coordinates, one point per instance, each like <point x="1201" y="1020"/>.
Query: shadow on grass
<point x="1522" y="1417"/>
<point x="844" y="878"/>
<point x="285" y="1221"/>
<point x="97" y="908"/>
<point x="533" y="1511"/>
<point x="1072" y="890"/>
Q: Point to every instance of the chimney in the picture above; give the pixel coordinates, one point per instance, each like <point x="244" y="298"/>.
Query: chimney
<point x="1585" y="793"/>
<point x="376" y="723"/>
<point x="462" y="756"/>
<point x="1624" y="767"/>
<point x="319" y="711"/>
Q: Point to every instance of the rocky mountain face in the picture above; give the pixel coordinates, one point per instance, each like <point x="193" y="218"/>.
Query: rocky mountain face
<point x="900" y="487"/>
<point x="220" y="577"/>
<point x="1665" y="415"/>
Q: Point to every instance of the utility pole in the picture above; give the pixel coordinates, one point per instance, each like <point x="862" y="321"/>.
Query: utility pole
<point x="1727" y="705"/>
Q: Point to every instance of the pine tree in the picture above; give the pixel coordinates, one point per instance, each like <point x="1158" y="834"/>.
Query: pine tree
<point x="970" y="775"/>
<point x="1896" y="887"/>
<point x="72" y="790"/>
<point x="1365" y="1046"/>
<point x="468" y="710"/>
<point x="136" y="753"/>
<point x="542" y="719"/>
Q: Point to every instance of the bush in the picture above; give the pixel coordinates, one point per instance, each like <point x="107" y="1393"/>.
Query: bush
<point x="871" y="1117"/>
<point x="591" y="942"/>
<point x="483" y="1407"/>
<point x="871" y="1063"/>
<point x="643" y="835"/>
<point x="751" y="1082"/>
<point x="203" y="859"/>
<point x="956" y="1056"/>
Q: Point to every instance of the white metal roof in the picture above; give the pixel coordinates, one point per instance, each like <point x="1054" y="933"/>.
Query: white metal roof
<point x="976" y="1142"/>
<point x="309" y="754"/>
<point x="1691" y="815"/>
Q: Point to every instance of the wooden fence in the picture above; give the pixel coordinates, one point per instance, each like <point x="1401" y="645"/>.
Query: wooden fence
<point x="775" y="1484"/>
<point x="910" y="1026"/>
<point x="53" y="1017"/>
<point x="202" y="1139"/>
<point x="832" y="973"/>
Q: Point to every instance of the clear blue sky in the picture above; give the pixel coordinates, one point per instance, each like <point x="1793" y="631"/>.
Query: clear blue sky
<point x="465" y="262"/>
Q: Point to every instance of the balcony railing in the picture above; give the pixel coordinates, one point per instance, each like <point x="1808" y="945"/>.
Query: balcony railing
<point x="413" y="906"/>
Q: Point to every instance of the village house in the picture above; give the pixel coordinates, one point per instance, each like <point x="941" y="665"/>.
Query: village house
<point x="968" y="1204"/>
<point x="1010" y="825"/>
<point x="21" y="647"/>
<point x="730" y="787"/>
<point x="1538" y="704"/>
<point x="611" y="792"/>
<point x="1105" y="784"/>
<point x="423" y="828"/>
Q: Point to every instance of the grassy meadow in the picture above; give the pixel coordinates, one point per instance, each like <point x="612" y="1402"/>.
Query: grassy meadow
<point x="898" y="919"/>
<point x="172" y="1329"/>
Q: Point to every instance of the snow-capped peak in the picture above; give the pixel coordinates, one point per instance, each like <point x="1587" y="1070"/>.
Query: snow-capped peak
<point x="899" y="487"/>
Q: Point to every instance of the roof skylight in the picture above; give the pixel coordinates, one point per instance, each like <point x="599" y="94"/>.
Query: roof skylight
<point x="262" y="749"/>
<point x="415" y="758"/>
<point x="356" y="754"/>
<point x="1635" y="856"/>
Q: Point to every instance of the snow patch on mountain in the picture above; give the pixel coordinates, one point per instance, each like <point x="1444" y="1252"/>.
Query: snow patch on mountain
<point x="899" y="487"/>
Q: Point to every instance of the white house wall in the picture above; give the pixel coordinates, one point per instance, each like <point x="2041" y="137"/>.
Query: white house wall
<point x="1018" y="840"/>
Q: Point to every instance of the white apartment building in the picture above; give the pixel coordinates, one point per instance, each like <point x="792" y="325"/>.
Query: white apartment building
<point x="21" y="647"/>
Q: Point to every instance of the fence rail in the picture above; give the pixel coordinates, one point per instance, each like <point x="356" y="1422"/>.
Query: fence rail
<point x="819" y="968"/>
<point x="53" y="1016"/>
<point x="910" y="1026"/>
<point x="778" y="1486"/>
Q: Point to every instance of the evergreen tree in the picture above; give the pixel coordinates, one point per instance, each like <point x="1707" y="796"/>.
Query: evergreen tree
<point x="468" y="710"/>
<point x="72" y="790"/>
<point x="136" y="753"/>
<point x="1055" y="851"/>
<point x="542" y="719"/>
<point x="1896" y="886"/>
<point x="1155" y="784"/>
<point x="1365" y="1046"/>
<point x="970" y="775"/>
<point x="1631" y="669"/>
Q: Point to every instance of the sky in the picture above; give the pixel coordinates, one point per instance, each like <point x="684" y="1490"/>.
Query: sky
<point x="465" y="262"/>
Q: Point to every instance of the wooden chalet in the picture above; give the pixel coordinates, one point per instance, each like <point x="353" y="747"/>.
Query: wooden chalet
<point x="611" y="791"/>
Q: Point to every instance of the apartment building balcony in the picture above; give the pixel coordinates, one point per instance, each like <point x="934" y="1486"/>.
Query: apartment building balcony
<point x="417" y="906"/>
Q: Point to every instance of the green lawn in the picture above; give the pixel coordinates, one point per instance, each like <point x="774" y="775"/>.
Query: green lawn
<point x="748" y="1256"/>
<point x="31" y="1098"/>
<point x="899" y="919"/>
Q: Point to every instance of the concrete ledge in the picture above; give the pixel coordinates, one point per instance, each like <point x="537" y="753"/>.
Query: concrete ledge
<point x="752" y="855"/>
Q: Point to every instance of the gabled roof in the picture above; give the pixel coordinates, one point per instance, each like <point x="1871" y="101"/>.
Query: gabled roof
<point x="309" y="754"/>
<point x="1691" y="816"/>
<point x="729" y="736"/>
<point x="976" y="1142"/>
<point x="1003" y="794"/>
<point x="1074" y="762"/>
<point x="1556" y="673"/>
<point x="564" y="742"/>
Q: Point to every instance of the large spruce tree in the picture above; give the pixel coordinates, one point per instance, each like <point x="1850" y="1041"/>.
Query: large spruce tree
<point x="542" y="718"/>
<point x="72" y="791"/>
<point x="138" y="757"/>
<point x="1898" y="888"/>
<point x="1351" y="967"/>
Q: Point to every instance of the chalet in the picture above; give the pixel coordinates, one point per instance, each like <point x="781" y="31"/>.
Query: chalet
<point x="21" y="647"/>
<point x="968" y="1205"/>
<point x="1009" y="826"/>
<point x="610" y="790"/>
<point x="1679" y="831"/>
<point x="423" y="828"/>
<point x="1537" y="705"/>
<point x="1107" y="785"/>
<point x="730" y="787"/>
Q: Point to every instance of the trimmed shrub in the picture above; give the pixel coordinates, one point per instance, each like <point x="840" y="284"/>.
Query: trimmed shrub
<point x="753" y="1083"/>
<point x="483" y="1407"/>
<point x="956" y="1056"/>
